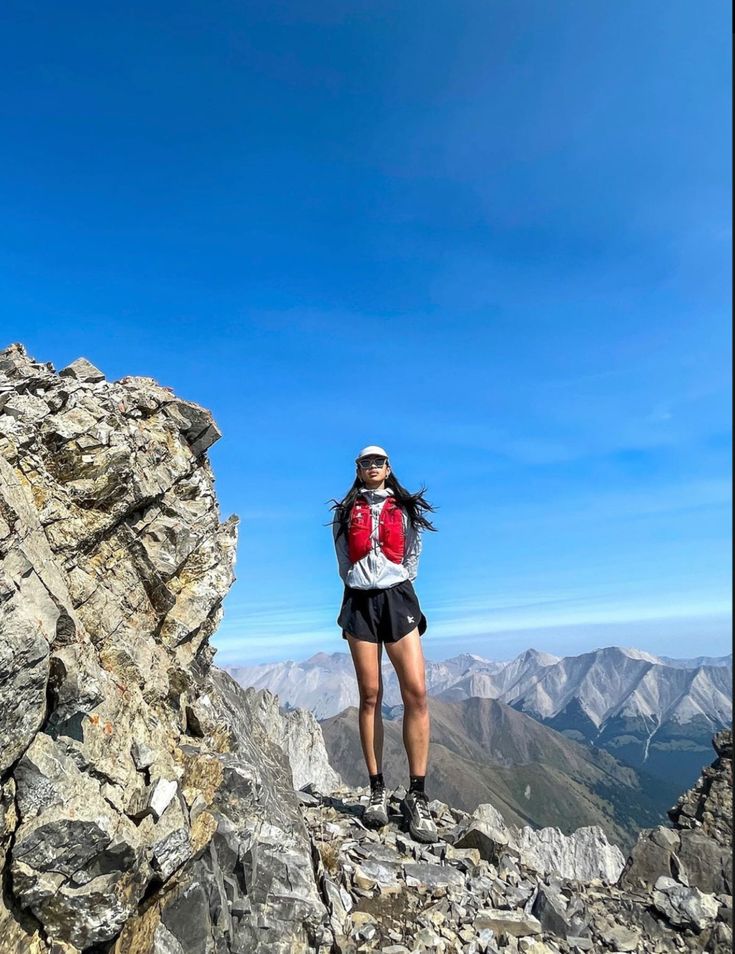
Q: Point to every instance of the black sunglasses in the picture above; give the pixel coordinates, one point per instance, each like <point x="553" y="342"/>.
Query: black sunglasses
<point x="366" y="462"/>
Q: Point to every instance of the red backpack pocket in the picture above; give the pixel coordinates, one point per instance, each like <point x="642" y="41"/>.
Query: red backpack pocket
<point x="391" y="532"/>
<point x="360" y="530"/>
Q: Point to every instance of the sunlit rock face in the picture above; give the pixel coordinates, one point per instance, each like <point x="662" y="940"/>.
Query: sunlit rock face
<point x="139" y="792"/>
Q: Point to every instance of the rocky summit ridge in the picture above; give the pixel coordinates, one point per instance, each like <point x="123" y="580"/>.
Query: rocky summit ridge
<point x="151" y="805"/>
<point x="486" y="886"/>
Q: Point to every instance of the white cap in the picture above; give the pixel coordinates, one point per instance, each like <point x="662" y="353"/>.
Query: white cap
<point x="372" y="449"/>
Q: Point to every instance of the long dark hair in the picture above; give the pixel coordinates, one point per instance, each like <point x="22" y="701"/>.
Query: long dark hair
<point x="415" y="505"/>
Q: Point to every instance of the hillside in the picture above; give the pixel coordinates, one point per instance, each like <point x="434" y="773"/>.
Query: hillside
<point x="484" y="751"/>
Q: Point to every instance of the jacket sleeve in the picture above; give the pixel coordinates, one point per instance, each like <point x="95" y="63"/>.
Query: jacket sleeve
<point x="413" y="551"/>
<point x="342" y="549"/>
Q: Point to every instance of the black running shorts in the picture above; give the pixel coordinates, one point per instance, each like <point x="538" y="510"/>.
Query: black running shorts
<point x="385" y="615"/>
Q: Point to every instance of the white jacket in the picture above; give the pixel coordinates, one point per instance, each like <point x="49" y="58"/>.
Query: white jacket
<point x="375" y="571"/>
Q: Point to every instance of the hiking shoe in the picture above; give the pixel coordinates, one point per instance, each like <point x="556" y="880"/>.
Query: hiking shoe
<point x="421" y="825"/>
<point x="376" y="811"/>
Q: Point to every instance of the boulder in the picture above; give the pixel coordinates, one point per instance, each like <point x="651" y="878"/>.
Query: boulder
<point x="684" y="906"/>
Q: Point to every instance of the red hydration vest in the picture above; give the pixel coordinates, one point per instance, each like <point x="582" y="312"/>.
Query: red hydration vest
<point x="391" y="535"/>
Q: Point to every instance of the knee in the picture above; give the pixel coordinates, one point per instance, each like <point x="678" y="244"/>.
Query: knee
<point x="415" y="698"/>
<point x="370" y="697"/>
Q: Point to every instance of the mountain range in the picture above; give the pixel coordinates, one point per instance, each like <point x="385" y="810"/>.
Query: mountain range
<point x="656" y="714"/>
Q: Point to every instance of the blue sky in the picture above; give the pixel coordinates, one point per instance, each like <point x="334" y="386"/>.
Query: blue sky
<point x="493" y="238"/>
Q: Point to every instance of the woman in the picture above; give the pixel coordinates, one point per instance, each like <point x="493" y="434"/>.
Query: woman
<point x="377" y="529"/>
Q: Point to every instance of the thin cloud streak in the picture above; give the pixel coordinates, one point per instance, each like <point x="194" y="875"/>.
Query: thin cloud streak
<point x="656" y="633"/>
<point x="291" y="633"/>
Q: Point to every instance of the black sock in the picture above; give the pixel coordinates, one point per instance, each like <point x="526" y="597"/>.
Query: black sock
<point x="377" y="780"/>
<point x="417" y="783"/>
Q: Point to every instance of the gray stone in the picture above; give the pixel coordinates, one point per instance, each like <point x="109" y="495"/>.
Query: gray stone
<point x="624" y="939"/>
<point x="708" y="805"/>
<point x="143" y="755"/>
<point x="665" y="838"/>
<point x="160" y="795"/>
<point x="684" y="906"/>
<point x="372" y="872"/>
<point x="550" y="909"/>
<point x="164" y="942"/>
<point x="300" y="735"/>
<point x="432" y="875"/>
<point x="76" y="863"/>
<point x="515" y="923"/>
<point x="582" y="856"/>
<point x="707" y="863"/>
<point x="580" y="943"/>
<point x="652" y="856"/>
<point x="82" y="370"/>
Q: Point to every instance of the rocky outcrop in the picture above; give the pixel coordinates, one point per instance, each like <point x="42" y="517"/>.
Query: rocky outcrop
<point x="143" y="804"/>
<point x="584" y="855"/>
<point x="472" y="892"/>
<point x="707" y="807"/>
<point x="697" y="852"/>
<point x="298" y="733"/>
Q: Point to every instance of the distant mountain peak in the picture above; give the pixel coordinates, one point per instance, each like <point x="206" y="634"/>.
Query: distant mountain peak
<point x="639" y="654"/>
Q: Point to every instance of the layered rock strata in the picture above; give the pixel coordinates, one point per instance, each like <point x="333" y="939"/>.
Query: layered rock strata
<point x="143" y="804"/>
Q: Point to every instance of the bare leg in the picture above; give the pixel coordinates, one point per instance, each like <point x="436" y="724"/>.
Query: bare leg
<point x="407" y="656"/>
<point x="366" y="657"/>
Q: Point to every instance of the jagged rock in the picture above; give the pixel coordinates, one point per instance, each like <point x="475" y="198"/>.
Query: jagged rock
<point x="502" y="922"/>
<point x="528" y="945"/>
<point x="684" y="906"/>
<point x="486" y="831"/>
<point x="432" y="875"/>
<point x="725" y="912"/>
<point x="550" y="910"/>
<point x="34" y="605"/>
<point x="299" y="734"/>
<point x="652" y="856"/>
<point x="126" y="771"/>
<point x="622" y="938"/>
<point x="579" y="943"/>
<point x="584" y="855"/>
<point x="707" y="806"/>
<point x="579" y="915"/>
<point x="82" y="370"/>
<point x="339" y="903"/>
<point x="143" y="755"/>
<point x="76" y="864"/>
<point x="697" y="852"/>
<point x="705" y="863"/>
